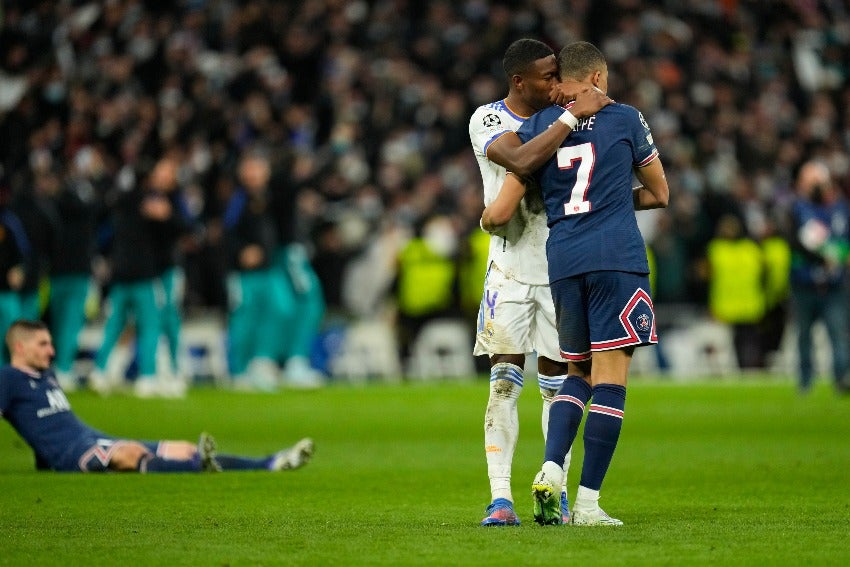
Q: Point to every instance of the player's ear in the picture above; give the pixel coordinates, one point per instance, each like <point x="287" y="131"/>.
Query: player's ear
<point x="516" y="81"/>
<point x="595" y="78"/>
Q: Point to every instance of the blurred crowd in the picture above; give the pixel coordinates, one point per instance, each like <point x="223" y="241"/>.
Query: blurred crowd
<point x="360" y="109"/>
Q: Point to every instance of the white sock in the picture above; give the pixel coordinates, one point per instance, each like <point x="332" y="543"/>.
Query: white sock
<point x="555" y="472"/>
<point x="549" y="386"/>
<point x="547" y="394"/>
<point x="567" y="460"/>
<point x="501" y="426"/>
<point x="586" y="499"/>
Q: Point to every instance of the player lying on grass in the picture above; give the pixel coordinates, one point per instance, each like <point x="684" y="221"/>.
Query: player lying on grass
<point x="34" y="403"/>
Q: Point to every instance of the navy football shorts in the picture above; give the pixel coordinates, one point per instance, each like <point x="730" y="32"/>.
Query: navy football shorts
<point x="93" y="453"/>
<point x="600" y="311"/>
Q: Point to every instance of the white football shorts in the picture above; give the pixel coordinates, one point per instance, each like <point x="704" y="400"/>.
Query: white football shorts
<point x="515" y="318"/>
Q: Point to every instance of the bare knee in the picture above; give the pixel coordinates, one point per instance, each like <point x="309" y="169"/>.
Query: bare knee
<point x="549" y="367"/>
<point x="611" y="366"/>
<point x="515" y="359"/>
<point x="126" y="456"/>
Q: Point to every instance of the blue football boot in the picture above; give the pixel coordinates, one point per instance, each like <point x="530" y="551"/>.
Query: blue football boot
<point x="500" y="513"/>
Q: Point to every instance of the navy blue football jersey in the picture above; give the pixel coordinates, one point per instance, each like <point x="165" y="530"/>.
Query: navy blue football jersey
<point x="587" y="189"/>
<point x="36" y="406"/>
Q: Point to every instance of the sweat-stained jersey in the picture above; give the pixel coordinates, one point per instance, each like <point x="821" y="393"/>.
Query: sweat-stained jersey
<point x="587" y="190"/>
<point x="520" y="254"/>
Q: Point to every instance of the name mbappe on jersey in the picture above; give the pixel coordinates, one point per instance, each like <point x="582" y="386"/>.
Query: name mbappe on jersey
<point x="587" y="190"/>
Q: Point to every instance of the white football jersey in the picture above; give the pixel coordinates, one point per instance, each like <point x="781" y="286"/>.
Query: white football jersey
<point x="521" y="253"/>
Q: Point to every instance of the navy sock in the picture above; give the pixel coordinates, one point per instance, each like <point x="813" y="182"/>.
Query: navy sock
<point x="565" y="417"/>
<point x="601" y="432"/>
<point x="236" y="463"/>
<point x="154" y="464"/>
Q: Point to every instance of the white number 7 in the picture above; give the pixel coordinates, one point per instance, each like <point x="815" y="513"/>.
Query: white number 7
<point x="567" y="157"/>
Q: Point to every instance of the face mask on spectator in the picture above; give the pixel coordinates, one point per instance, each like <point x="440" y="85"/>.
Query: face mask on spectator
<point x="441" y="237"/>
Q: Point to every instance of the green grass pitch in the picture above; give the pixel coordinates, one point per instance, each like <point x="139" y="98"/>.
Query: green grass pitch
<point x="741" y="472"/>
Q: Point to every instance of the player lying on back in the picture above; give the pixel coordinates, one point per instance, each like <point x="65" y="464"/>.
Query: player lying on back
<point x="32" y="401"/>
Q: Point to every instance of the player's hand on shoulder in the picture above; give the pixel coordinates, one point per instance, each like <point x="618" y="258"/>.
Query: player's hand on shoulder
<point x="561" y="94"/>
<point x="588" y="102"/>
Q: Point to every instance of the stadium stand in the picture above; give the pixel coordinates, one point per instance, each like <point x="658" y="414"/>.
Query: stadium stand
<point x="363" y="108"/>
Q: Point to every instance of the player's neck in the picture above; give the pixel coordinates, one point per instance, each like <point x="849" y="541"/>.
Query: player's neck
<point x="24" y="367"/>
<point x="516" y="105"/>
<point x="574" y="86"/>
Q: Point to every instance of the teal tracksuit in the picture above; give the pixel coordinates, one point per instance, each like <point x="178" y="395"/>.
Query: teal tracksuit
<point x="302" y="290"/>
<point x="304" y="302"/>
<point x="70" y="270"/>
<point x="257" y="296"/>
<point x="41" y="223"/>
<point x="136" y="287"/>
<point x="13" y="248"/>
<point x="68" y="294"/>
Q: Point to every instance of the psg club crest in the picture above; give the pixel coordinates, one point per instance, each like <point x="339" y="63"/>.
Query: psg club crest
<point x="643" y="322"/>
<point x="638" y="318"/>
<point x="492" y="121"/>
<point x="638" y="321"/>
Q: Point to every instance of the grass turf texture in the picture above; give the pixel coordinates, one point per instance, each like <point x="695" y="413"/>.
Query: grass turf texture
<point x="744" y="473"/>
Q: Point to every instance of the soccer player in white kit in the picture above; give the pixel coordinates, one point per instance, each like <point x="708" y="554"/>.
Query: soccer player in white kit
<point x="517" y="315"/>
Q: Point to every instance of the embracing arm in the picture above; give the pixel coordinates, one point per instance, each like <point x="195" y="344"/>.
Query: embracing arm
<point x="509" y="151"/>
<point x="523" y="159"/>
<point x="500" y="211"/>
<point x="653" y="193"/>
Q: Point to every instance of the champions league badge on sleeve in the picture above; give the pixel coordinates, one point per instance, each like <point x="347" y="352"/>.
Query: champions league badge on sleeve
<point x="645" y="128"/>
<point x="492" y="121"/>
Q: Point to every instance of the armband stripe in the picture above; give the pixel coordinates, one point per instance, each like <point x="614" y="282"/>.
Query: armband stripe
<point x="648" y="160"/>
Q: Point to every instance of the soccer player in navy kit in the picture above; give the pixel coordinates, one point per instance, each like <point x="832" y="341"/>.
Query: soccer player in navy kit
<point x="517" y="316"/>
<point x="598" y="275"/>
<point x="35" y="405"/>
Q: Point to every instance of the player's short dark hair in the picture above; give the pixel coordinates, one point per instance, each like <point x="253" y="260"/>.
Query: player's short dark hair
<point x="25" y="326"/>
<point x="580" y="59"/>
<point x="522" y="53"/>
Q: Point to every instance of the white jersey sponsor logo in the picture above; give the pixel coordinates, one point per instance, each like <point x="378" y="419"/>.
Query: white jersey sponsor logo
<point x="58" y="403"/>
